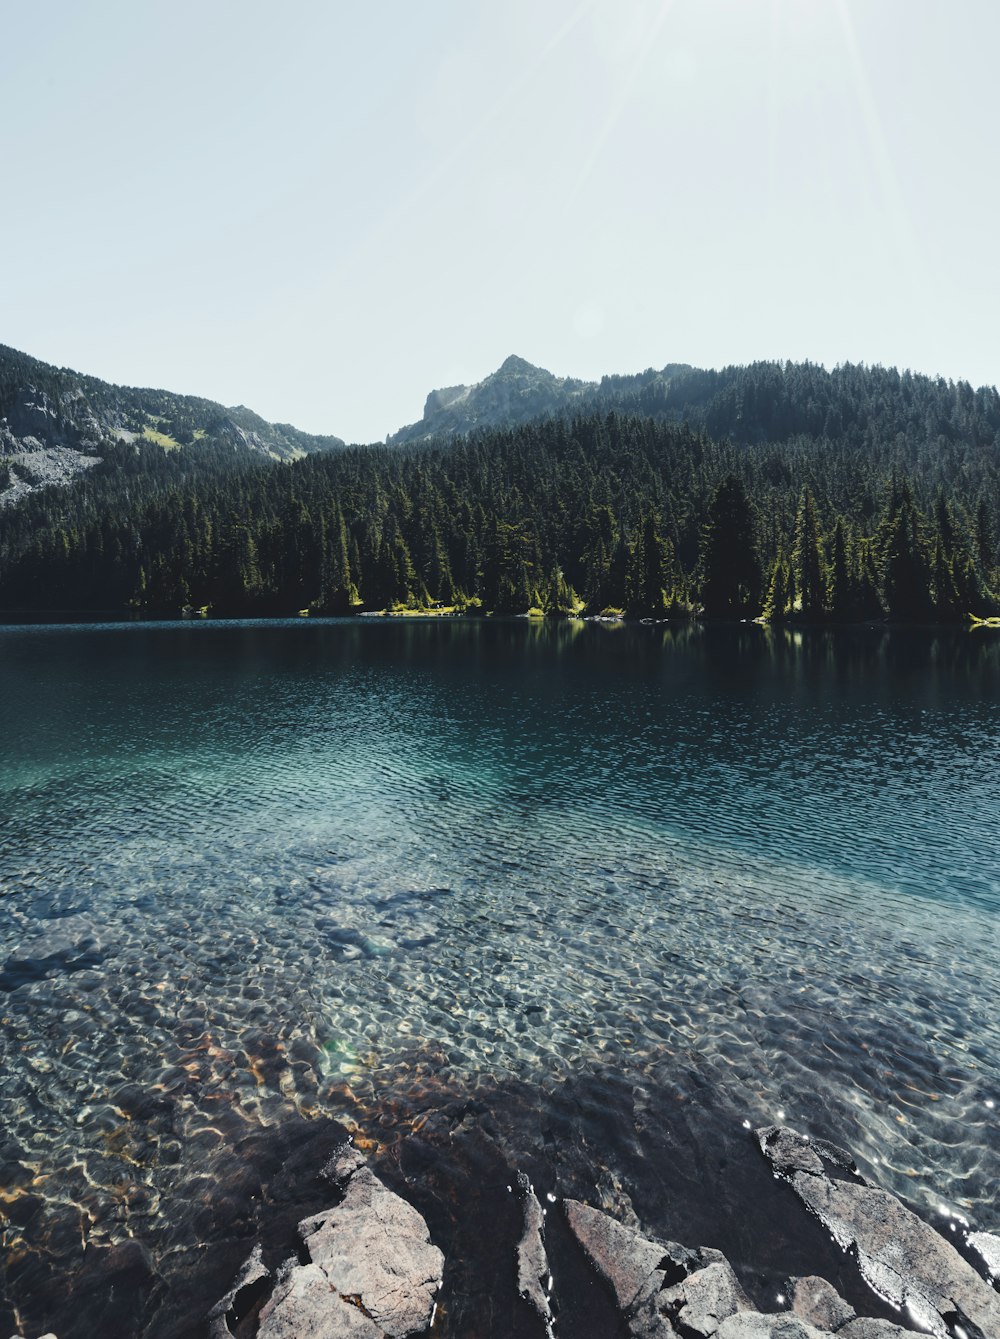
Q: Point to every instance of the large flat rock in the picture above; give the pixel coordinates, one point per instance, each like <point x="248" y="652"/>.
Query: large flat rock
<point x="304" y="1305"/>
<point x="372" y="1270"/>
<point x="901" y="1257"/>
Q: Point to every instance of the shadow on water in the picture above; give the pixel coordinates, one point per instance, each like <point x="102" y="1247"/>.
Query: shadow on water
<point x="673" y="1160"/>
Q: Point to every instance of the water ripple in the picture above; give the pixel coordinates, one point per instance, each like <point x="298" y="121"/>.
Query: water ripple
<point x="322" y="866"/>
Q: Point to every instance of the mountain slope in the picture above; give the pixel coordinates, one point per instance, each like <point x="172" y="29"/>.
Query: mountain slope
<point x="515" y="393"/>
<point x="747" y="405"/>
<point x="55" y="424"/>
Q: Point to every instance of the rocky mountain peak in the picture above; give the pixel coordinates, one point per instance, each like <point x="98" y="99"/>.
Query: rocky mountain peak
<point x="515" y="366"/>
<point x="515" y="392"/>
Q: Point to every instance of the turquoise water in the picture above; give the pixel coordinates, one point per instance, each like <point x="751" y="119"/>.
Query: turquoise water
<point x="342" y="869"/>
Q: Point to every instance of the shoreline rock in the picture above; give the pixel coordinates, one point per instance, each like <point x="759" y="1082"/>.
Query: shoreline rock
<point x="533" y="1274"/>
<point x="368" y="1268"/>
<point x="902" y="1258"/>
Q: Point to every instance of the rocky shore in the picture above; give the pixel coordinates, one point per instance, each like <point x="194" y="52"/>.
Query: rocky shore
<point x="366" y="1267"/>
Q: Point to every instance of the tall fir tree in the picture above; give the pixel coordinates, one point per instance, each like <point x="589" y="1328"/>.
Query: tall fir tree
<point x="729" y="560"/>
<point x="807" y="560"/>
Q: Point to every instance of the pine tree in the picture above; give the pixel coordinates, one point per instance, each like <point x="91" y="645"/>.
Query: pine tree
<point x="906" y="579"/>
<point x="558" y="596"/>
<point x="945" y="595"/>
<point x="649" y="573"/>
<point x="842" y="597"/>
<point x="729" y="561"/>
<point x="776" y="601"/>
<point x="984" y="536"/>
<point x="807" y="560"/>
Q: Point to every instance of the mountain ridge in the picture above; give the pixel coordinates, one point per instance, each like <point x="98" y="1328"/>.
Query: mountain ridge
<point x="602" y="500"/>
<point x="745" y="403"/>
<point x="56" y="423"/>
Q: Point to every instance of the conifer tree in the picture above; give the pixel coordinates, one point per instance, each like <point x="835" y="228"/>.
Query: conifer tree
<point x="906" y="579"/>
<point x="842" y="600"/>
<point x="730" y="565"/>
<point x="776" y="601"/>
<point x="649" y="573"/>
<point x="807" y="560"/>
<point x="946" y="599"/>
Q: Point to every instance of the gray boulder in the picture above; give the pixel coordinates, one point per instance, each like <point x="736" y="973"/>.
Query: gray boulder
<point x="305" y="1306"/>
<point x="757" y="1325"/>
<point x="866" y="1327"/>
<point x="372" y="1269"/>
<point x="901" y="1257"/>
<point x="785" y="1325"/>
<point x="818" y="1302"/>
<point x="661" y="1288"/>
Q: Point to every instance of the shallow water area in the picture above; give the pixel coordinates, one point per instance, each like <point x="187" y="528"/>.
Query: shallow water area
<point x="626" y="889"/>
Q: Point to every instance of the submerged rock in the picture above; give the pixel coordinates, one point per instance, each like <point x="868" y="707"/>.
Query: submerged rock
<point x="348" y="942"/>
<point x="371" y="1271"/>
<point x="67" y="944"/>
<point x="900" y="1256"/>
<point x="250" y="1285"/>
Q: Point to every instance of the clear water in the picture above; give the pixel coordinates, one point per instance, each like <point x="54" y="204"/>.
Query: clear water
<point x="341" y="869"/>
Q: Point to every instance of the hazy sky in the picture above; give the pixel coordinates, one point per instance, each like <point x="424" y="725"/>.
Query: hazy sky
<point x="323" y="210"/>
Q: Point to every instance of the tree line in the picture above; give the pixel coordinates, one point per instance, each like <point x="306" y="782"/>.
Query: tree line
<point x="606" y="512"/>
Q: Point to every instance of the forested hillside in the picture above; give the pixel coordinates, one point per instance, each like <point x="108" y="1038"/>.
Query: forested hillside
<point x="56" y="424"/>
<point x="856" y="494"/>
<point x="853" y="406"/>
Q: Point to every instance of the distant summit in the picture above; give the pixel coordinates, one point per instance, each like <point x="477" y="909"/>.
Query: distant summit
<point x="516" y="392"/>
<point x="513" y="365"/>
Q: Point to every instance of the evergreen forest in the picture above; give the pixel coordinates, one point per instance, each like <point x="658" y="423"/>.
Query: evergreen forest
<point x="776" y="491"/>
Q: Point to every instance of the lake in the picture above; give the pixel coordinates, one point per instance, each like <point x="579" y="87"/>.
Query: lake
<point x="585" y="900"/>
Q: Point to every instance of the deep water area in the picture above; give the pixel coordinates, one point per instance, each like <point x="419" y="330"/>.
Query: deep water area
<point x="590" y="901"/>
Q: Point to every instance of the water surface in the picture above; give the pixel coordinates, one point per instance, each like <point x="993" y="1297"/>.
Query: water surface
<point x="609" y="894"/>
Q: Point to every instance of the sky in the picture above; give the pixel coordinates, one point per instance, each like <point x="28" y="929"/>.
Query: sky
<point x="324" y="210"/>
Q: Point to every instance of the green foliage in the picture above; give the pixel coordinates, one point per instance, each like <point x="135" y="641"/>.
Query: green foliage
<point x="780" y="591"/>
<point x="842" y="600"/>
<point x="807" y="560"/>
<point x="609" y="510"/>
<point x="905" y="565"/>
<point x="730" y="564"/>
<point x="650" y="572"/>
